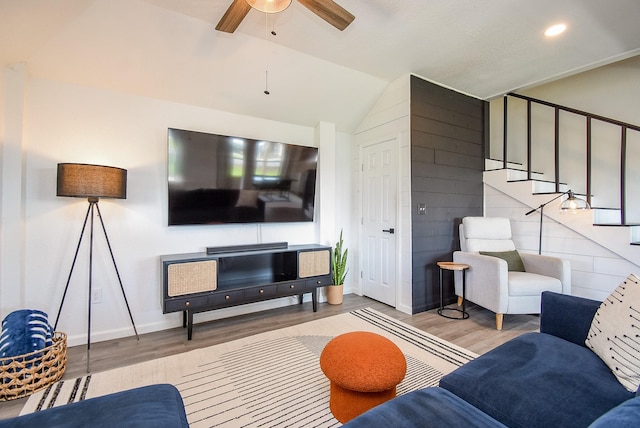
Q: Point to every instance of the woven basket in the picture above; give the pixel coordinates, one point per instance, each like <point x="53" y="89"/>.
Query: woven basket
<point x="23" y="375"/>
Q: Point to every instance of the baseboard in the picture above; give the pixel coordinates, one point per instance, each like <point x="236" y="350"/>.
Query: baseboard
<point x="174" y="320"/>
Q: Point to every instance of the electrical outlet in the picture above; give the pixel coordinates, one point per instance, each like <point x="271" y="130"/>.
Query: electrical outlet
<point x="96" y="295"/>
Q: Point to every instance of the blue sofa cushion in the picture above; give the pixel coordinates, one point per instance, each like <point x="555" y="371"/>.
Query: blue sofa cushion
<point x="626" y="415"/>
<point x="538" y="380"/>
<point x="567" y="317"/>
<point x="155" y="406"/>
<point x="434" y="407"/>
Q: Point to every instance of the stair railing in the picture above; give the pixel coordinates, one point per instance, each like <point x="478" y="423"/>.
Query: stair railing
<point x="589" y="117"/>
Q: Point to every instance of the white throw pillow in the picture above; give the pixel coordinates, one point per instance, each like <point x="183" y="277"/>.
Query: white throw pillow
<point x="615" y="333"/>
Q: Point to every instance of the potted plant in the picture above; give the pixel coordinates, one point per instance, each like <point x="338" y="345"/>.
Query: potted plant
<point x="338" y="273"/>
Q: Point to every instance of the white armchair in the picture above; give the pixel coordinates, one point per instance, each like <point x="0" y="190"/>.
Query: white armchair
<point x="490" y="284"/>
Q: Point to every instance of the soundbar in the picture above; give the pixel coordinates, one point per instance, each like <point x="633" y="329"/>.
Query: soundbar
<point x="250" y="247"/>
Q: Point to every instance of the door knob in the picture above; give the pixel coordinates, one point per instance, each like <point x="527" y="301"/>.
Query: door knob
<point x="390" y="230"/>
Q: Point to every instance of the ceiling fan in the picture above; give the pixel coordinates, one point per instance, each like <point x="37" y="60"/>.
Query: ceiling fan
<point x="328" y="10"/>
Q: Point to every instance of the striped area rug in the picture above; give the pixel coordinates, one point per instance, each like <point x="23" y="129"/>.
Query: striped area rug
<point x="267" y="380"/>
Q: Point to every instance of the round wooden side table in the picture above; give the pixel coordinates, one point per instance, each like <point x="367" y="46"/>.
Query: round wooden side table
<point x="453" y="266"/>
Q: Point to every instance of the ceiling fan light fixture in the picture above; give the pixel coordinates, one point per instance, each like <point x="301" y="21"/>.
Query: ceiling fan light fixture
<point x="269" y="6"/>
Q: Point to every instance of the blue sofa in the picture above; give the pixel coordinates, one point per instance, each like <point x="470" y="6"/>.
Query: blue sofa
<point x="546" y="379"/>
<point x="155" y="406"/>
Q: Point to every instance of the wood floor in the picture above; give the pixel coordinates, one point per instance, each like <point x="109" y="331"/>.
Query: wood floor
<point x="477" y="334"/>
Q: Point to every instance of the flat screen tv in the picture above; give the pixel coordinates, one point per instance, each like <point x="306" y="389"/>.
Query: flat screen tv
<point x="219" y="179"/>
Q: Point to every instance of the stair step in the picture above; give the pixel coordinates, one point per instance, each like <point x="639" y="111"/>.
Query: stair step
<point x="617" y="224"/>
<point x="548" y="187"/>
<point x="537" y="180"/>
<point x="490" y="164"/>
<point x="522" y="175"/>
<point x="604" y="216"/>
<point x="617" y="239"/>
<point x="497" y="164"/>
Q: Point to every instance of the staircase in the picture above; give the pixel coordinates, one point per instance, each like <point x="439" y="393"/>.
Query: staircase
<point x="534" y="173"/>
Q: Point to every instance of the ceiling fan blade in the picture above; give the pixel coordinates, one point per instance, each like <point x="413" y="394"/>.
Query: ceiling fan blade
<point x="330" y="11"/>
<point x="233" y="16"/>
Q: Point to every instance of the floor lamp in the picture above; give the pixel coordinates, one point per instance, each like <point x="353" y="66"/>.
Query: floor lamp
<point x="92" y="182"/>
<point x="570" y="205"/>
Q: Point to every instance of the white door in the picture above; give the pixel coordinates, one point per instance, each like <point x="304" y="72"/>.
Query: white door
<point x="379" y="209"/>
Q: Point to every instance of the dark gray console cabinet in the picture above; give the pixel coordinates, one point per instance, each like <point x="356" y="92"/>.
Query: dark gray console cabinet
<point x="200" y="282"/>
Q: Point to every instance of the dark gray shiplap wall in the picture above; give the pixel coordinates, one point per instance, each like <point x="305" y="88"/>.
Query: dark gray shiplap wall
<point x="448" y="134"/>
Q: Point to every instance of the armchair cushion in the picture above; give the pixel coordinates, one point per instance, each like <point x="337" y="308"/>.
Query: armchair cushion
<point x="531" y="284"/>
<point x="549" y="266"/>
<point x="492" y="286"/>
<point x="513" y="259"/>
<point x="486" y="234"/>
<point x="614" y="332"/>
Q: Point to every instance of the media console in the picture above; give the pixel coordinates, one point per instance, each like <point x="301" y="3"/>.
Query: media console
<point x="200" y="282"/>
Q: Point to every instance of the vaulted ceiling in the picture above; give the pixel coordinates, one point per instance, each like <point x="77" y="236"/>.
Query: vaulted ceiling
<point x="169" y="49"/>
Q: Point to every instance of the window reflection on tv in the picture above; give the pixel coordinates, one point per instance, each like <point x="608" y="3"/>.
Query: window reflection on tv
<point x="218" y="179"/>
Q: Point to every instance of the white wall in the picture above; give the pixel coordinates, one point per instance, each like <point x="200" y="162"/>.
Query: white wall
<point x="103" y="88"/>
<point x="389" y="120"/>
<point x="600" y="257"/>
<point x="610" y="91"/>
<point x="335" y="194"/>
<point x="595" y="269"/>
<point x="13" y="85"/>
<point x="68" y="123"/>
<point x="137" y="47"/>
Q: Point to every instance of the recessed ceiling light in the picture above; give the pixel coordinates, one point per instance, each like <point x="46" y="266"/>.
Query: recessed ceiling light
<point x="554" y="30"/>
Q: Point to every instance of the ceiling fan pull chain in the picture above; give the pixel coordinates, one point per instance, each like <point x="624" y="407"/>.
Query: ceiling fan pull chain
<point x="266" y="82"/>
<point x="266" y="45"/>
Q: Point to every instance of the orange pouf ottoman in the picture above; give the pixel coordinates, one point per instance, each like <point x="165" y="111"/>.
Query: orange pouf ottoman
<point x="364" y="369"/>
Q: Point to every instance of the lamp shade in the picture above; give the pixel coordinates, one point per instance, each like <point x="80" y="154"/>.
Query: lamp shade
<point x="269" y="6"/>
<point x="573" y="204"/>
<point x="81" y="180"/>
